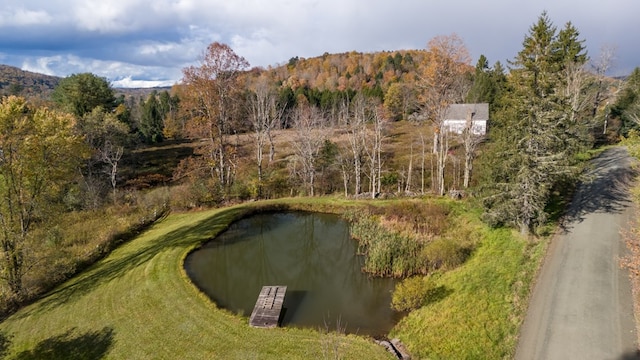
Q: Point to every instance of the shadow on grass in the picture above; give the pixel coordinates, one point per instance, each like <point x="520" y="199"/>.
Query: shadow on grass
<point x="135" y="254"/>
<point x="72" y="346"/>
<point x="5" y="344"/>
<point x="437" y="294"/>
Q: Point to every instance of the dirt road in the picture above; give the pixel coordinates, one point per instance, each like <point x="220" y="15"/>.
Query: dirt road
<point x="581" y="306"/>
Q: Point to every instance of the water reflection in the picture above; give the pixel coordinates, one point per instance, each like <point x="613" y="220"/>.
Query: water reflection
<point x="312" y="255"/>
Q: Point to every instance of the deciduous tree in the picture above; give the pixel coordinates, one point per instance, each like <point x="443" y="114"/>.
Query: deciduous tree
<point x="310" y="135"/>
<point x="211" y="95"/>
<point x="266" y="115"/>
<point x="39" y="153"/>
<point x="106" y="137"/>
<point x="444" y="82"/>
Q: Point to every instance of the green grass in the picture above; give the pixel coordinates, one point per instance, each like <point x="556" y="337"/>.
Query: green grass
<point x="484" y="303"/>
<point x="138" y="303"/>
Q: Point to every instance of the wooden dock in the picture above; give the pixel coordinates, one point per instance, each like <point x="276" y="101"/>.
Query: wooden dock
<point x="266" y="313"/>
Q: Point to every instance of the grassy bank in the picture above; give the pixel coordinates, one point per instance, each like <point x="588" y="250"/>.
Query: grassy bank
<point x="481" y="306"/>
<point x="137" y="303"/>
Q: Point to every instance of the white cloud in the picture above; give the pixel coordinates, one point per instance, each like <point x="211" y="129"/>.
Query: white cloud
<point x="102" y="16"/>
<point x="41" y="65"/>
<point x="128" y="82"/>
<point x="155" y="39"/>
<point x="117" y="72"/>
<point x="24" y="17"/>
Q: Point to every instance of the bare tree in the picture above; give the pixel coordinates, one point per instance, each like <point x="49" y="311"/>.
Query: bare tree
<point x="310" y="135"/>
<point x="357" y="133"/>
<point x="106" y="136"/>
<point x="443" y="83"/>
<point x="407" y="187"/>
<point x="600" y="66"/>
<point x="111" y="154"/>
<point x="373" y="149"/>
<point x="265" y="117"/>
<point x="470" y="141"/>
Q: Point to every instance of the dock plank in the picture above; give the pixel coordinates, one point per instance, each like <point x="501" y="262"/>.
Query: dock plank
<point x="266" y="312"/>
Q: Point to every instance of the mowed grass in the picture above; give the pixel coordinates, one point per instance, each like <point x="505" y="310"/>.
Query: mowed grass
<point x="482" y="306"/>
<point x="138" y="303"/>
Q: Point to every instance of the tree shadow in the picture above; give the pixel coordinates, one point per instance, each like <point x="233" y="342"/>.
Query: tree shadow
<point x="5" y="344"/>
<point x="437" y="294"/>
<point x="632" y="355"/>
<point x="72" y="346"/>
<point x="604" y="189"/>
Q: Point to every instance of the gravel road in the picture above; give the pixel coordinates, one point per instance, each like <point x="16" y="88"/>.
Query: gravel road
<point x="581" y="306"/>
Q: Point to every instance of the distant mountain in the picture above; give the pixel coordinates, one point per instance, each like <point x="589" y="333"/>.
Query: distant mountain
<point x="14" y="81"/>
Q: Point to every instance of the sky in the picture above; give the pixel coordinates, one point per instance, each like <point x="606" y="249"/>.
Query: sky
<point x="143" y="43"/>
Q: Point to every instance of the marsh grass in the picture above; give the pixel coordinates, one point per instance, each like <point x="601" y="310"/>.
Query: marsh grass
<point x="409" y="237"/>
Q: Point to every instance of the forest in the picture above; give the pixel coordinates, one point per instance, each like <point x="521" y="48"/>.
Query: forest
<point x="351" y="125"/>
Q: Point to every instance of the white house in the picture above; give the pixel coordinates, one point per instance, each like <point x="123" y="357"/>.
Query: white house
<point x="458" y="115"/>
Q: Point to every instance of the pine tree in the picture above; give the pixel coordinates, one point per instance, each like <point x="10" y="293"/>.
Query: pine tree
<point x="152" y="121"/>
<point x="537" y="149"/>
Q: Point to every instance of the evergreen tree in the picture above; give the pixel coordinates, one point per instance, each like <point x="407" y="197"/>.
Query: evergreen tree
<point x="79" y="94"/>
<point x="485" y="83"/>
<point x="151" y="122"/>
<point x="536" y="150"/>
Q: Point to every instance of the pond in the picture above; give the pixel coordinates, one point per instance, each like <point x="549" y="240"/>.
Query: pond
<point x="310" y="253"/>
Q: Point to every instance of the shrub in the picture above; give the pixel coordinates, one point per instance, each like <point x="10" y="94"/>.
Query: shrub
<point x="412" y="293"/>
<point x="444" y="253"/>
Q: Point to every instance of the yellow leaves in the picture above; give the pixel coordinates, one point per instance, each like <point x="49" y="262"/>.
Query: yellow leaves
<point x="37" y="142"/>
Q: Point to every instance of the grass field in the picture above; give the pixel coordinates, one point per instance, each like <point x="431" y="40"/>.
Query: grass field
<point x="137" y="303"/>
<point x="482" y="306"/>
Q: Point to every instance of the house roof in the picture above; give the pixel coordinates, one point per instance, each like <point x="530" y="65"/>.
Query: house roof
<point x="460" y="111"/>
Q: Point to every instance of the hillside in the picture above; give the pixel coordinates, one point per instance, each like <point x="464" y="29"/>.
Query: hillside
<point x="372" y="73"/>
<point x="14" y="81"/>
<point x="352" y="70"/>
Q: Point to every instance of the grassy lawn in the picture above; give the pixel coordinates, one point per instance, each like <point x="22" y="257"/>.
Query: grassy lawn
<point x="138" y="303"/>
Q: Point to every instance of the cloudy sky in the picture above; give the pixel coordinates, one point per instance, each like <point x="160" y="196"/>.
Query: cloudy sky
<point x="136" y="43"/>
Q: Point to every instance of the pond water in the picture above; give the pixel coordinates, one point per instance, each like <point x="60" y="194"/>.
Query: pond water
<point x="313" y="255"/>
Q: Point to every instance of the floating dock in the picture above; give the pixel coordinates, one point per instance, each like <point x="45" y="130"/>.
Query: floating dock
<point x="266" y="313"/>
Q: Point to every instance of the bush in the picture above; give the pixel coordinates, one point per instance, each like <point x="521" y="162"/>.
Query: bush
<point x="412" y="293"/>
<point x="200" y="193"/>
<point x="444" y="253"/>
